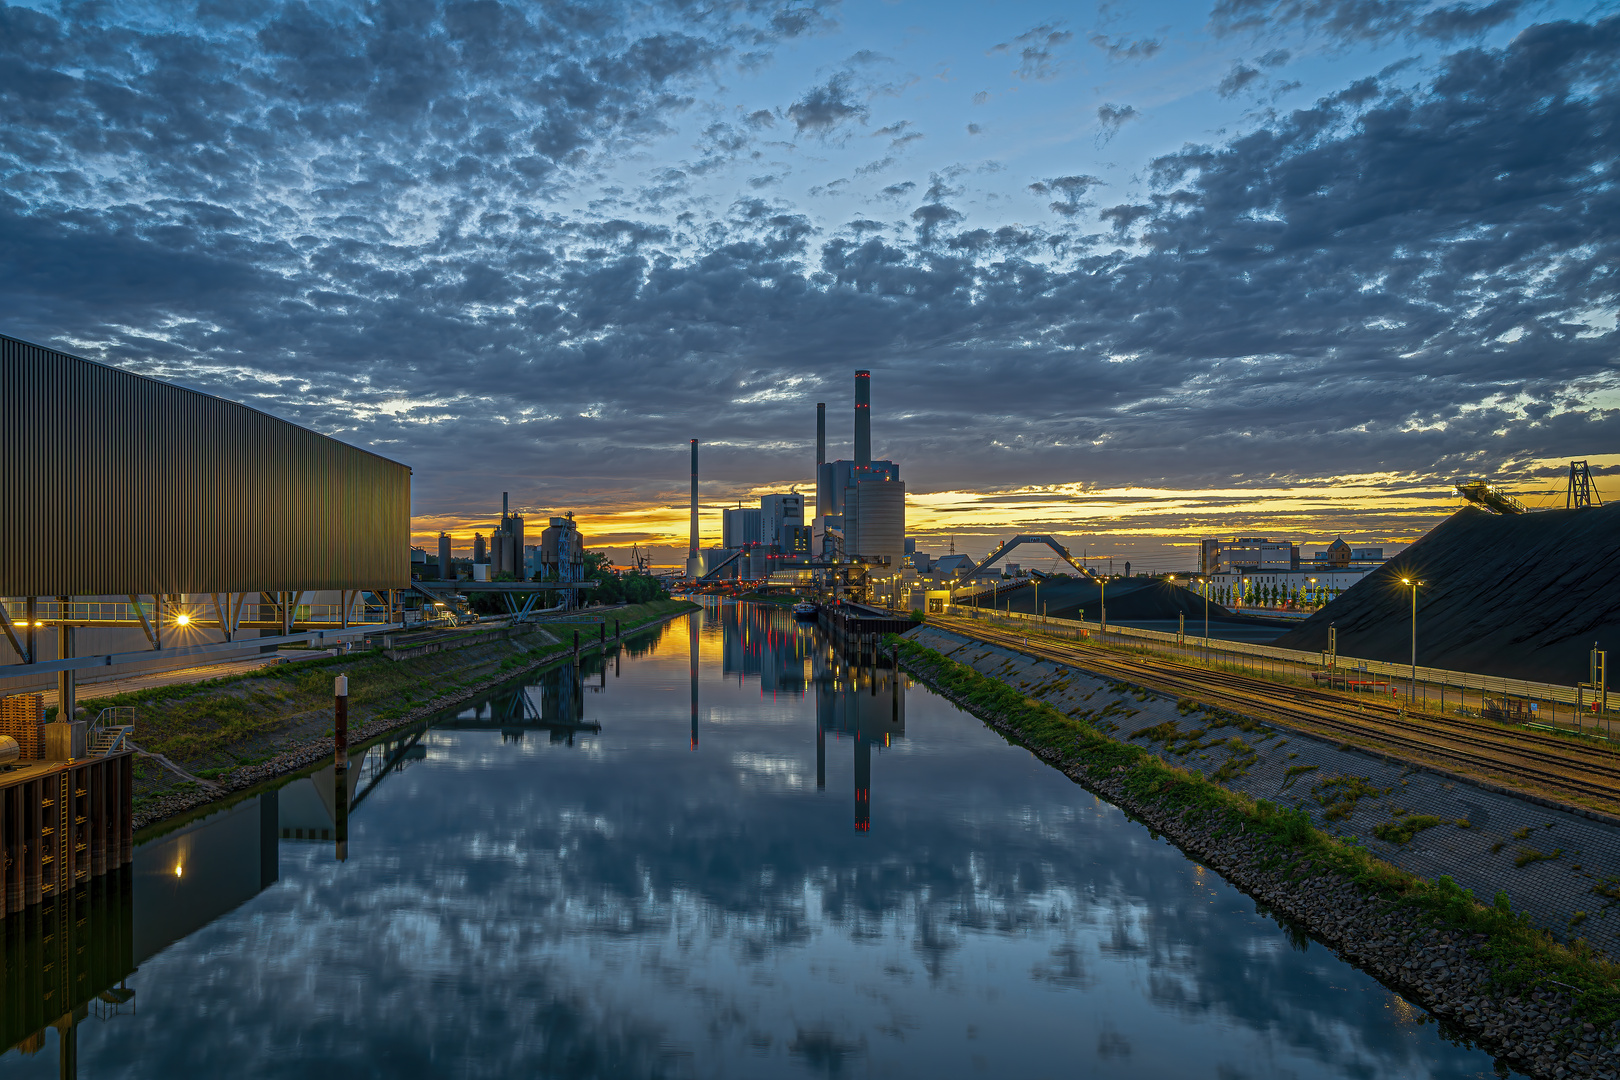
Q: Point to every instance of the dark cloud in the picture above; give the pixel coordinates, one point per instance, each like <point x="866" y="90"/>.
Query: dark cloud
<point x="1036" y="51"/>
<point x="826" y="107"/>
<point x="361" y="225"/>
<point x="1112" y="117"/>
<point x="1365" y="20"/>
<point x="1123" y="49"/>
<point x="1238" y="79"/>
<point x="1069" y="192"/>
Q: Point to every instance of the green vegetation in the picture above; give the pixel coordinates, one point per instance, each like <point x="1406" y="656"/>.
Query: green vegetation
<point x="1339" y="794"/>
<point x="213" y="727"/>
<point x="1293" y="772"/>
<point x="1527" y="856"/>
<point x="1521" y="958"/>
<point x="1401" y="830"/>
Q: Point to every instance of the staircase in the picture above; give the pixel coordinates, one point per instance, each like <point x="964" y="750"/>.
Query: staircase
<point x="110" y="731"/>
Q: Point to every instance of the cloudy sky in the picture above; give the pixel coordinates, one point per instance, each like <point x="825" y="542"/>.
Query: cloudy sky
<point x="1127" y="273"/>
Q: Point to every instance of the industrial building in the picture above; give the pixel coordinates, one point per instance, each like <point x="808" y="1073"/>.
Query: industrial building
<point x="506" y="544"/>
<point x="858" y="533"/>
<point x="156" y="527"/>
<point x="739" y="526"/>
<point x="861" y="503"/>
<point x="781" y="524"/>
<point x="1258" y="555"/>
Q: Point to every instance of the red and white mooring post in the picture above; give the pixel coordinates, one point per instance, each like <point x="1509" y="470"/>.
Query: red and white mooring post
<point x="340" y="722"/>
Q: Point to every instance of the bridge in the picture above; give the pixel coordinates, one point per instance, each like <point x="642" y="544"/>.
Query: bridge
<point x="1023" y="538"/>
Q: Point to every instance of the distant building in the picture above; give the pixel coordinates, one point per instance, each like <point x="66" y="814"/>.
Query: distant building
<point x="506" y="545"/>
<point x="1316" y="583"/>
<point x="445" y="571"/>
<point x="562" y="551"/>
<point x="739" y="526"/>
<point x="1253" y="553"/>
<point x="780" y="516"/>
<point x="480" y="549"/>
<point x="1340" y="553"/>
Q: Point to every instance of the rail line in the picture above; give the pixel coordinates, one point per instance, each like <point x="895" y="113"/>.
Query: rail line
<point x="1544" y="760"/>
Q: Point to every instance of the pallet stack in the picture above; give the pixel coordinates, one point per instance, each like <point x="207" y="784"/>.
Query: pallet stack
<point x="22" y="716"/>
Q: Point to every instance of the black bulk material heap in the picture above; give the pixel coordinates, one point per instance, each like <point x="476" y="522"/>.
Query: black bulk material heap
<point x="1522" y="596"/>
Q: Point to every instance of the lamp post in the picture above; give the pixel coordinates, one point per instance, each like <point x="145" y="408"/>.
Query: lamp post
<point x="1102" y="627"/>
<point x="1205" y="590"/>
<point x="1411" y="694"/>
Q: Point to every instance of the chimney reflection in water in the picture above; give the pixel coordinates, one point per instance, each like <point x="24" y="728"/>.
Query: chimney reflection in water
<point x="692" y="662"/>
<point x="851" y="699"/>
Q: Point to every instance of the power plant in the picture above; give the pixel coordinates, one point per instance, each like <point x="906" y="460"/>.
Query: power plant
<point x="857" y="534"/>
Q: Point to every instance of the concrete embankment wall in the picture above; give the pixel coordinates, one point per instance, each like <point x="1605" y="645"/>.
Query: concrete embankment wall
<point x="1561" y="868"/>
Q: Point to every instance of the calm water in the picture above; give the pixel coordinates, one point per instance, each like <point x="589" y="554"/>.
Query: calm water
<point x="727" y="854"/>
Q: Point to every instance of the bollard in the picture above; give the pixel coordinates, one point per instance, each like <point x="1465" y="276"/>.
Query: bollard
<point x="616" y="633"/>
<point x="340" y="804"/>
<point x="602" y="636"/>
<point x="340" y="722"/>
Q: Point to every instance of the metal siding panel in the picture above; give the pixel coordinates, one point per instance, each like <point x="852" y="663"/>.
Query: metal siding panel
<point x="114" y="483"/>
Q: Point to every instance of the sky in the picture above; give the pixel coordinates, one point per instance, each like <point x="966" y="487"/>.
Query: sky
<point x="1125" y="274"/>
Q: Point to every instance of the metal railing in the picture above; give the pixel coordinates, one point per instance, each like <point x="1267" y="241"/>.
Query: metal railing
<point x="110" y="730"/>
<point x="1495" y="696"/>
<point x="197" y="613"/>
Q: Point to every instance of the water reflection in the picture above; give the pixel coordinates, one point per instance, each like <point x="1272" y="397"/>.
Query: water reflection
<point x="65" y="959"/>
<point x="617" y="899"/>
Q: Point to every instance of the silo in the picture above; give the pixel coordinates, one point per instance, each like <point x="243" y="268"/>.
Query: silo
<point x="877" y="522"/>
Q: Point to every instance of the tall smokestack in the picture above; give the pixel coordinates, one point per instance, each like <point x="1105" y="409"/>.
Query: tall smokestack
<point x="863" y="419"/>
<point x="821" y="434"/>
<point x="503" y="504"/>
<point x="692" y="549"/>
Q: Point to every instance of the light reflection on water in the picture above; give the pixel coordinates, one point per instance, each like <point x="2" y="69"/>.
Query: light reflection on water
<point x="725" y="853"/>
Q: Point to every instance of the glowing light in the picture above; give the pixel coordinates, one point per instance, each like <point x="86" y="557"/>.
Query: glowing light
<point x="179" y="871"/>
<point x="182" y="620"/>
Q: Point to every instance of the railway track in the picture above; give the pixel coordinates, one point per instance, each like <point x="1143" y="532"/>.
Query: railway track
<point x="1504" y="757"/>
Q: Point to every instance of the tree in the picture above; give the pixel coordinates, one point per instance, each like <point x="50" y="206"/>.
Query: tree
<point x="614" y="586"/>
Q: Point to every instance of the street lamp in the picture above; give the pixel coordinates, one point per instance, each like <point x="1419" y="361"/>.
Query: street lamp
<point x="1205" y="590"/>
<point x="1411" y="695"/>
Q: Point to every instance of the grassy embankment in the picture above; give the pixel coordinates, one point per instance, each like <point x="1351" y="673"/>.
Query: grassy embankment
<point x="212" y="727"/>
<point x="1521" y="956"/>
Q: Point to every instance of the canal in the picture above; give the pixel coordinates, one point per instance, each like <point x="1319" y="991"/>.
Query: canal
<point x="722" y="852"/>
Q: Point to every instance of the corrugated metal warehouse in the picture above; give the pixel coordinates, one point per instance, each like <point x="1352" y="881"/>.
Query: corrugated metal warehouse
<point x="118" y="484"/>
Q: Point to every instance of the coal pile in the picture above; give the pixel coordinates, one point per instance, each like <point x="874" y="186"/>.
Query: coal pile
<point x="1522" y="596"/>
<point x="1131" y="598"/>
